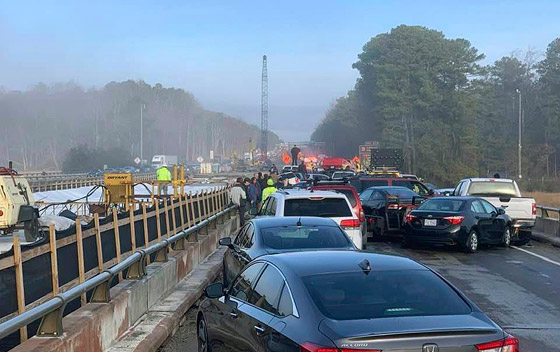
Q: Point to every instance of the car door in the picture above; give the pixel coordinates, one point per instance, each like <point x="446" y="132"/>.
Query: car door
<point x="275" y="339"/>
<point x="231" y="256"/>
<point x="237" y="297"/>
<point x="254" y="318"/>
<point x="498" y="226"/>
<point x="484" y="220"/>
<point x="241" y="255"/>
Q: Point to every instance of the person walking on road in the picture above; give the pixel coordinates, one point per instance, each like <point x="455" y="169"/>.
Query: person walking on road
<point x="254" y="193"/>
<point x="164" y="178"/>
<point x="269" y="189"/>
<point x="239" y="198"/>
<point x="295" y="152"/>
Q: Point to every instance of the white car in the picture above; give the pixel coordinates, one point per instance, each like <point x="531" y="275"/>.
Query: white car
<point x="325" y="204"/>
<point x="339" y="175"/>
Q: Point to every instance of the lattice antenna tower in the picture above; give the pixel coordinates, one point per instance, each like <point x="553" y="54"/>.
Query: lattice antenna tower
<point x="264" y="110"/>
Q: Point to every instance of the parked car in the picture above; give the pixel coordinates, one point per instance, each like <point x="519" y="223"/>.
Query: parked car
<point x="292" y="178"/>
<point x="504" y="193"/>
<point x="350" y="301"/>
<point x="444" y="191"/>
<point x="290" y="168"/>
<point x="300" y="202"/>
<point x="410" y="177"/>
<point x="464" y="221"/>
<point x="418" y="187"/>
<point x="385" y="208"/>
<point x="264" y="236"/>
<point x="339" y="175"/>
<point x="353" y="197"/>
<point x="318" y="177"/>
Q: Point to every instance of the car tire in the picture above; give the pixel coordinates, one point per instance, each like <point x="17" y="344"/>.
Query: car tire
<point x="202" y="336"/>
<point x="471" y="245"/>
<point x="506" y="237"/>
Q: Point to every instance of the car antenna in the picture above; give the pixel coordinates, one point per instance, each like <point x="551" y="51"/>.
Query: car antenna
<point x="365" y="266"/>
<point x="298" y="223"/>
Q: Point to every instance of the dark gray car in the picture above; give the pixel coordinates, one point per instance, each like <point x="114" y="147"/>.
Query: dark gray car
<point x="343" y="301"/>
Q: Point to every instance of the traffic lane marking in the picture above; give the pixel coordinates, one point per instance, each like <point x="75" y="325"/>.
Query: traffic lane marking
<point x="537" y="255"/>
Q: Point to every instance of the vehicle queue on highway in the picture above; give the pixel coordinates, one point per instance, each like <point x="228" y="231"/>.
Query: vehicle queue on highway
<point x="296" y="278"/>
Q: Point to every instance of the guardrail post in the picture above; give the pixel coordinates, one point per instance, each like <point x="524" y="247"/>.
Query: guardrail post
<point x="180" y="244"/>
<point x="102" y="292"/>
<point x="138" y="269"/>
<point x="20" y="293"/>
<point x="161" y="255"/>
<point x="51" y="324"/>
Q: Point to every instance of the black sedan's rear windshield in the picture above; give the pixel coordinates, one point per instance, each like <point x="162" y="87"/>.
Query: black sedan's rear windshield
<point x="322" y="207"/>
<point x="304" y="237"/>
<point x="442" y="204"/>
<point x="354" y="295"/>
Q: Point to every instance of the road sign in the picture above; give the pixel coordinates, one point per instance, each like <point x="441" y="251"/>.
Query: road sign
<point x="137" y="160"/>
<point x="200" y="159"/>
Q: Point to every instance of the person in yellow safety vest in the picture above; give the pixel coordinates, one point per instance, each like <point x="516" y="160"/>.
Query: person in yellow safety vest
<point x="163" y="177"/>
<point x="268" y="190"/>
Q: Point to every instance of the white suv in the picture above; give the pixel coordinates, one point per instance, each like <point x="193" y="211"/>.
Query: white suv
<point x="325" y="204"/>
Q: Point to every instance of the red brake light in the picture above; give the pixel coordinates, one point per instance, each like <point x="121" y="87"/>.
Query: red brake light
<point x="410" y="218"/>
<point x="454" y="220"/>
<point x="509" y="344"/>
<point x="534" y="208"/>
<point x="350" y="223"/>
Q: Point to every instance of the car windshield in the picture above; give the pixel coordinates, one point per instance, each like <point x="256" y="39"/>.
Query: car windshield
<point x="442" y="204"/>
<point x="322" y="207"/>
<point x="360" y="185"/>
<point x="487" y="188"/>
<point x="304" y="237"/>
<point x="391" y="293"/>
<point x="401" y="192"/>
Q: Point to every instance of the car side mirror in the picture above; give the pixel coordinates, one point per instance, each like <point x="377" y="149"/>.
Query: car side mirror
<point x="501" y="211"/>
<point x="225" y="241"/>
<point x="215" y="290"/>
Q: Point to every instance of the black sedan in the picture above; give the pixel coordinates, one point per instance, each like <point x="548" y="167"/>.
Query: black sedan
<point x="385" y="207"/>
<point x="280" y="234"/>
<point x="464" y="221"/>
<point x="343" y="301"/>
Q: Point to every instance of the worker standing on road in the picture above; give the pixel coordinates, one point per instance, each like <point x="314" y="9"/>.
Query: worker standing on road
<point x="164" y="178"/>
<point x="295" y="152"/>
<point x="254" y="193"/>
<point x="238" y="197"/>
<point x="269" y="189"/>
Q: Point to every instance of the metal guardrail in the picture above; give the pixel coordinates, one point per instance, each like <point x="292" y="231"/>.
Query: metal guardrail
<point x="548" y="220"/>
<point x="51" y="312"/>
<point x="41" y="183"/>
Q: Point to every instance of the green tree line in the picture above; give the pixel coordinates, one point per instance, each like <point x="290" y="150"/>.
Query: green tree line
<point x="453" y="116"/>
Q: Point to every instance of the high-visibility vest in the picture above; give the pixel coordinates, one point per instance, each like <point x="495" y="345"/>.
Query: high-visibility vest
<point x="163" y="174"/>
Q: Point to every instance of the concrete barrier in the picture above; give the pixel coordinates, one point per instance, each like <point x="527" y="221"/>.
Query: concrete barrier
<point x="97" y="326"/>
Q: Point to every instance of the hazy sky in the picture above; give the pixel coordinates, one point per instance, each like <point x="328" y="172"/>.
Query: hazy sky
<point x="214" y="48"/>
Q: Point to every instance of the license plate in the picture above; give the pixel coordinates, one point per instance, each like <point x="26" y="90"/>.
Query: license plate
<point x="430" y="222"/>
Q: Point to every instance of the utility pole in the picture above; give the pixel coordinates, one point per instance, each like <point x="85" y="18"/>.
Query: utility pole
<point x="264" y="111"/>
<point x="142" y="106"/>
<point x="519" y="145"/>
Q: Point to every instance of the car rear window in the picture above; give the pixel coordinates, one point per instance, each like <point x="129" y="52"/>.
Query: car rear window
<point x="296" y="237"/>
<point x="350" y="195"/>
<point x="492" y="188"/>
<point x="360" y="185"/>
<point x="401" y="192"/>
<point x="442" y="204"/>
<point x="392" y="293"/>
<point x="323" y="207"/>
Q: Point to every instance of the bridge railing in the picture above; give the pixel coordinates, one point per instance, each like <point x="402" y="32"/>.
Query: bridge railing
<point x="548" y="220"/>
<point x="85" y="261"/>
<point x="41" y="183"/>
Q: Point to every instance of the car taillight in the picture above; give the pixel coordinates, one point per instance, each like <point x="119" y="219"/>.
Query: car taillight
<point x="350" y="223"/>
<point x="393" y="206"/>
<point x="509" y="344"/>
<point x="309" y="347"/>
<point x="410" y="218"/>
<point x="297" y="179"/>
<point x="1" y="213"/>
<point x="454" y="220"/>
<point x="534" y="208"/>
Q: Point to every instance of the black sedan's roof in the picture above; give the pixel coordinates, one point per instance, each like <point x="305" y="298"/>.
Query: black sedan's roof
<point x="323" y="262"/>
<point x="265" y="222"/>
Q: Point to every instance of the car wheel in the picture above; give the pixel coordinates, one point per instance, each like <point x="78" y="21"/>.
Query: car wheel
<point x="471" y="245"/>
<point x="506" y="237"/>
<point x="202" y="334"/>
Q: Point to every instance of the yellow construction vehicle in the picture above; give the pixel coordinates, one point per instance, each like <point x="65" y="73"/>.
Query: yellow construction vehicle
<point x="17" y="205"/>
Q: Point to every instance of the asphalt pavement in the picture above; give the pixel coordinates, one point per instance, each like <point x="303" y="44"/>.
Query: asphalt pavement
<point x="518" y="287"/>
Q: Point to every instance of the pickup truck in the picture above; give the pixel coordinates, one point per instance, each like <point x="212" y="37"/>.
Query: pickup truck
<point x="503" y="193"/>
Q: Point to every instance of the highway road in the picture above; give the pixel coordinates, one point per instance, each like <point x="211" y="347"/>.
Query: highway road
<point x="518" y="287"/>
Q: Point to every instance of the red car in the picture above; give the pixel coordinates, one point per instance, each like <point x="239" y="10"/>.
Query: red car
<point x="353" y="196"/>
